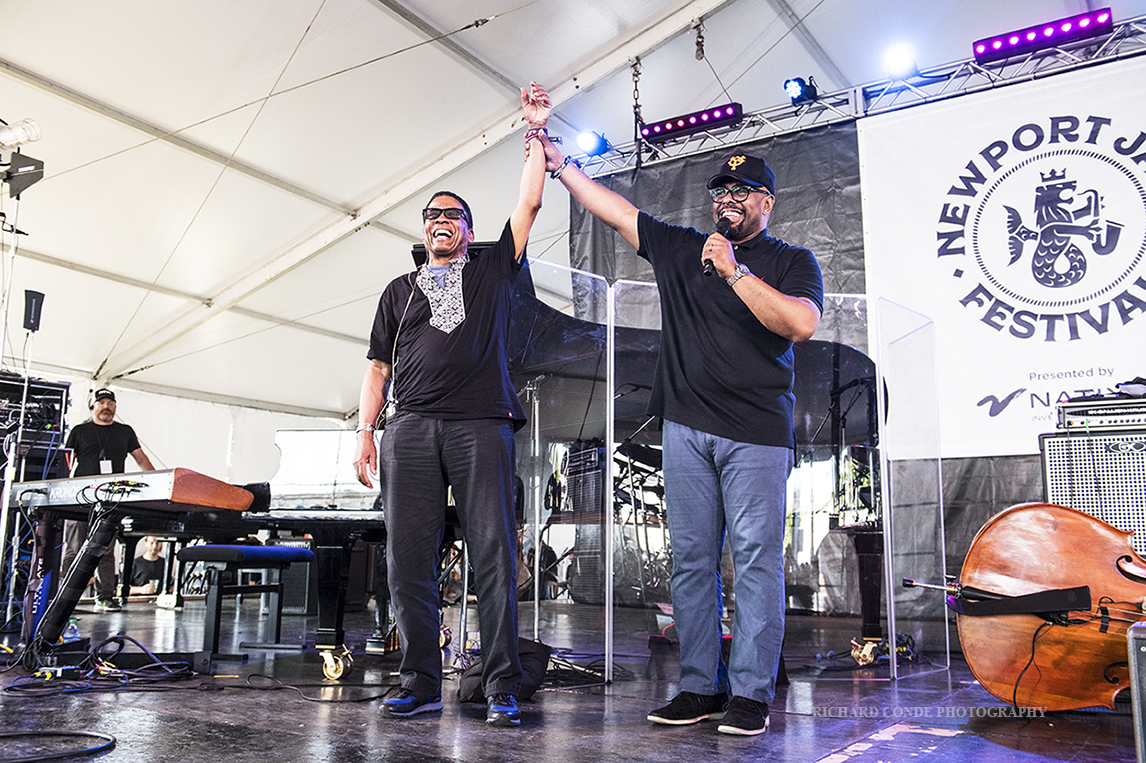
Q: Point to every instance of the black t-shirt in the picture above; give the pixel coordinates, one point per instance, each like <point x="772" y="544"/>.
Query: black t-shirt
<point x="143" y="571"/>
<point x="719" y="370"/>
<point x="92" y="443"/>
<point x="463" y="374"/>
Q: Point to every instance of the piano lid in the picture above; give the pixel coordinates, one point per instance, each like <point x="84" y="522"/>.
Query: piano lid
<point x="316" y="471"/>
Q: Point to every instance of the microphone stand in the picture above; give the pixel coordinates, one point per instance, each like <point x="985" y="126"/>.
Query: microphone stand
<point x="8" y="281"/>
<point x="9" y="450"/>
<point x="530" y="392"/>
<point x="12" y="452"/>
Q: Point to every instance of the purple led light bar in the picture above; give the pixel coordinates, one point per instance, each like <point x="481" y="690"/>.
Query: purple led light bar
<point x="1046" y="35"/>
<point x="717" y="116"/>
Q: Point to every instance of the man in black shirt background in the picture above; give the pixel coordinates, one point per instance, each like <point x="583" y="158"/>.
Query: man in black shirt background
<point x="100" y="446"/>
<point x="147" y="569"/>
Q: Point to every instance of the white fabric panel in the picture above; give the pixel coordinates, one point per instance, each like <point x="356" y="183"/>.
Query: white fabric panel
<point x="1034" y="306"/>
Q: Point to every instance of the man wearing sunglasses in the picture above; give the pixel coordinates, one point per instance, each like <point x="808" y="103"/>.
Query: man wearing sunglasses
<point x="732" y="304"/>
<point x="440" y="340"/>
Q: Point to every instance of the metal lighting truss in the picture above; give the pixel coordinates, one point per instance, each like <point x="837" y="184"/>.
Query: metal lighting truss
<point x="1125" y="40"/>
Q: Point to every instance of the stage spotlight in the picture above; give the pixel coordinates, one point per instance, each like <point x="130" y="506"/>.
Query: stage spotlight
<point x="717" y="116"/>
<point x="1042" y="36"/>
<point x="24" y="131"/>
<point x="899" y="61"/>
<point x="592" y="143"/>
<point x="799" y="90"/>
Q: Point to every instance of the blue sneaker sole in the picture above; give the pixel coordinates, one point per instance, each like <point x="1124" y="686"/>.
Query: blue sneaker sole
<point x="503" y="721"/>
<point x="429" y="707"/>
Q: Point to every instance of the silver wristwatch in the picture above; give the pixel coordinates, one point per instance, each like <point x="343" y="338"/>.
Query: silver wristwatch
<point x="741" y="271"/>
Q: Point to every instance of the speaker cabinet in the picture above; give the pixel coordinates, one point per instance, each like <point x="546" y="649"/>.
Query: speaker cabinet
<point x="586" y="479"/>
<point x="1136" y="649"/>
<point x="1100" y="473"/>
<point x="300" y="580"/>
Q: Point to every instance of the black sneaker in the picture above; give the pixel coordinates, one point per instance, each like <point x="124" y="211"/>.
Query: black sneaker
<point x="501" y="711"/>
<point x="745" y="717"/>
<point x="687" y="708"/>
<point x="406" y="703"/>
<point x="107" y="605"/>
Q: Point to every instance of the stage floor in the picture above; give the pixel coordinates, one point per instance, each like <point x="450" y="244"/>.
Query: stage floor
<point x="260" y="711"/>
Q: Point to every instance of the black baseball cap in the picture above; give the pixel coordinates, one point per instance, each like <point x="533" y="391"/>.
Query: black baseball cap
<point x="103" y="393"/>
<point x="745" y="168"/>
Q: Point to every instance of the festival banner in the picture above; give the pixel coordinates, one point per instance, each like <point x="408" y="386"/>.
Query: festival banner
<point x="1015" y="219"/>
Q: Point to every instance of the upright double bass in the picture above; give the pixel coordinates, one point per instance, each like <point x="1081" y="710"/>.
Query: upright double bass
<point x="1044" y="600"/>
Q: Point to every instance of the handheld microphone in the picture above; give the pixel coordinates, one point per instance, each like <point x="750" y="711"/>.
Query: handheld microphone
<point x="723" y="226"/>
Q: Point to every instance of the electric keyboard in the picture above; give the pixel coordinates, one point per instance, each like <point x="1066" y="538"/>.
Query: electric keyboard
<point x="170" y="490"/>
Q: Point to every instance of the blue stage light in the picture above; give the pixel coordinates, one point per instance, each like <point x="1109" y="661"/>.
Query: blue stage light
<point x="899" y="61"/>
<point x="800" y="90"/>
<point x="592" y="143"/>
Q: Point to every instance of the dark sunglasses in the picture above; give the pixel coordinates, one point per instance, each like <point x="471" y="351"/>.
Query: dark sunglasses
<point x="451" y="213"/>
<point x="739" y="193"/>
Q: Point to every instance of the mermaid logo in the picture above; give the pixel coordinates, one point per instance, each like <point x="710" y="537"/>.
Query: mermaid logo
<point x="1057" y="260"/>
<point x="1044" y="231"/>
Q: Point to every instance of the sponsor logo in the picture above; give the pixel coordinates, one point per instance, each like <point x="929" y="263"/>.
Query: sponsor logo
<point x="997" y="405"/>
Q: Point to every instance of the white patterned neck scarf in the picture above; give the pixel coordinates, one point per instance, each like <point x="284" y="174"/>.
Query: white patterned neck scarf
<point x="447" y="310"/>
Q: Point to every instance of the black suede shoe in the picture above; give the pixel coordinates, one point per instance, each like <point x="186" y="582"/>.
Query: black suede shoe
<point x="745" y="717"/>
<point x="501" y="711"/>
<point x="687" y="708"/>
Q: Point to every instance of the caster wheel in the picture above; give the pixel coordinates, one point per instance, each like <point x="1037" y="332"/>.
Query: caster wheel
<point x="336" y="665"/>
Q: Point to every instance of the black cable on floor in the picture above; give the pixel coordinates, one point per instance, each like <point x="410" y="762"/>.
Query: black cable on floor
<point x="277" y="685"/>
<point x="108" y="743"/>
<point x="97" y="673"/>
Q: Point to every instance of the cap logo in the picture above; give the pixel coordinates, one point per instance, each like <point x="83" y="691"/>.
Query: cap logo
<point x="735" y="162"/>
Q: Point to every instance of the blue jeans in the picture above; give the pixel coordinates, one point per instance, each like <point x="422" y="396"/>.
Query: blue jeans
<point x="715" y="486"/>
<point x="419" y="457"/>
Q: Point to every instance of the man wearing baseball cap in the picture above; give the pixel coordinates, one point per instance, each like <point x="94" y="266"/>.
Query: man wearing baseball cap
<point x="100" y="446"/>
<point x="732" y="304"/>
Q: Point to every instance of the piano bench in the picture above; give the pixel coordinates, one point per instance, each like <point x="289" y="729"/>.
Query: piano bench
<point x="222" y="565"/>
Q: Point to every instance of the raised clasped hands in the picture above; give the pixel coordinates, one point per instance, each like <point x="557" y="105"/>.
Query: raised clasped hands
<point x="536" y="105"/>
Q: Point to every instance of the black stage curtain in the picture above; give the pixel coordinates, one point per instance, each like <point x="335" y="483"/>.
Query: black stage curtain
<point x="817" y="204"/>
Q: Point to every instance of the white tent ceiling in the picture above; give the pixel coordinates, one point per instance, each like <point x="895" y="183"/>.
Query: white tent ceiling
<point x="230" y="184"/>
